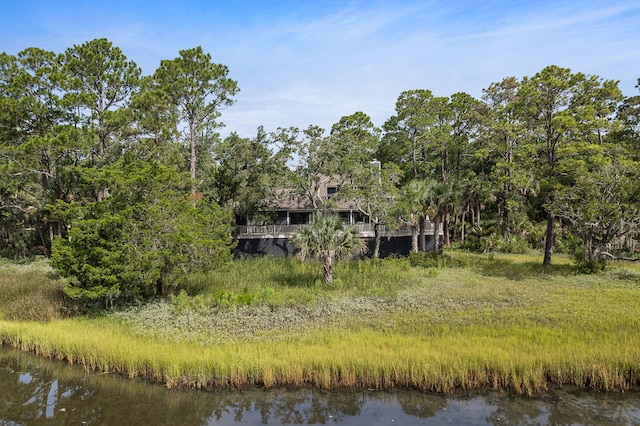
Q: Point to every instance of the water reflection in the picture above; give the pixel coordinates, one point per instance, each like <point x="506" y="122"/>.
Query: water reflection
<point x="36" y="391"/>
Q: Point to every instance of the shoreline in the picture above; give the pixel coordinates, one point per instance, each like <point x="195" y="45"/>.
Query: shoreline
<point x="243" y="365"/>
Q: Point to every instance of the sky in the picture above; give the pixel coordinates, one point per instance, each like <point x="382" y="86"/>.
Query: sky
<point x="311" y="62"/>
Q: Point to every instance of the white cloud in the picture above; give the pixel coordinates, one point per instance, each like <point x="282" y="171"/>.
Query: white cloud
<point x="350" y="60"/>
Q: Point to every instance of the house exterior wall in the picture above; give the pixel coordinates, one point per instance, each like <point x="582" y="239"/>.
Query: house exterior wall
<point x="277" y="247"/>
<point x="280" y="246"/>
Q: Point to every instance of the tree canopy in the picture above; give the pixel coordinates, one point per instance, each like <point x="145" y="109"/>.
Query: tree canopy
<point x="124" y="180"/>
<point x="143" y="237"/>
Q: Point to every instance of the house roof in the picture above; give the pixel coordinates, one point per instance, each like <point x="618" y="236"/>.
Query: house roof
<point x="287" y="199"/>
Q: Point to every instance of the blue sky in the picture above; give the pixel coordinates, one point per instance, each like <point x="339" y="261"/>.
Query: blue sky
<point x="313" y="61"/>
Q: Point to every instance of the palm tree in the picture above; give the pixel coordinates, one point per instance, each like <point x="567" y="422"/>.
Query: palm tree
<point x="327" y="239"/>
<point x="442" y="200"/>
<point x="412" y="209"/>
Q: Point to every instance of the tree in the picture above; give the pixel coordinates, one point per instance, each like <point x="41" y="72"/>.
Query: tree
<point x="563" y="112"/>
<point x="504" y="137"/>
<point x="629" y="115"/>
<point x="248" y="174"/>
<point x="465" y="116"/>
<point x="327" y="239"/>
<point x="441" y="198"/>
<point x="19" y="179"/>
<point x="462" y="118"/>
<point x="473" y="192"/>
<point x="314" y="167"/>
<point x="144" y="235"/>
<point x="99" y="81"/>
<point x="602" y="206"/>
<point x="39" y="146"/>
<point x="198" y="88"/>
<point x="371" y="188"/>
<point x="155" y="120"/>
<point x="412" y="208"/>
<point x="354" y="140"/>
<point x="407" y="132"/>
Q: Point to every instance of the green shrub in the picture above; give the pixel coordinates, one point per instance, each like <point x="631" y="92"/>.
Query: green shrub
<point x="432" y="259"/>
<point x="515" y="245"/>
<point x="476" y="239"/>
<point x="490" y="243"/>
<point x="536" y="236"/>
<point x="584" y="265"/>
<point x="223" y="298"/>
<point x="591" y="266"/>
<point x="424" y="259"/>
<point x="7" y="253"/>
<point x="180" y="302"/>
<point x="244" y="299"/>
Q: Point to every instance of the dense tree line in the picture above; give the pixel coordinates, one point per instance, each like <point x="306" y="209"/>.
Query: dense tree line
<point x="124" y="181"/>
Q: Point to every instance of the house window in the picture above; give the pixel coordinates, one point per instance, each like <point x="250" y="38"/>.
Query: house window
<point x="281" y="218"/>
<point x="331" y="191"/>
<point x="345" y="217"/>
<point x="299" y="218"/>
<point x="358" y="217"/>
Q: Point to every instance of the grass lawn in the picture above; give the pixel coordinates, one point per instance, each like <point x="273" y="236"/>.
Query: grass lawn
<point x="497" y="321"/>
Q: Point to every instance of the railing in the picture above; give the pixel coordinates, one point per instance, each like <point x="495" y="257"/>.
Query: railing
<point x="267" y="229"/>
<point x="286" y="230"/>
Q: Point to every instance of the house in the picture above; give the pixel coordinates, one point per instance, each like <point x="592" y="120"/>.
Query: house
<point x="290" y="212"/>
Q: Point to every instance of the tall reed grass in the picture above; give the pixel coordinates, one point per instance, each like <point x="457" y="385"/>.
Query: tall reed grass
<point x="495" y="323"/>
<point x="521" y="359"/>
<point x="30" y="292"/>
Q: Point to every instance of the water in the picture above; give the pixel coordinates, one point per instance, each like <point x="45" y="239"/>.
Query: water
<point x="34" y="391"/>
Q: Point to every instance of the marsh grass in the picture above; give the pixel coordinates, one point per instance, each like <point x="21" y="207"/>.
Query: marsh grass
<point x="499" y="322"/>
<point x="30" y="292"/>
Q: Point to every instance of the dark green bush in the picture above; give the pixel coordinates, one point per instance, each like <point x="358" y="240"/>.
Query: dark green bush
<point x="432" y="259"/>
<point x="591" y="266"/>
<point x="515" y="245"/>
<point x="585" y="265"/>
<point x="588" y="266"/>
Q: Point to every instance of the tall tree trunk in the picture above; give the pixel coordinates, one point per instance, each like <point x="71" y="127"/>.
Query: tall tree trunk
<point x="414" y="148"/>
<point x="414" y="237"/>
<point x="506" y="228"/>
<point x="376" y="245"/>
<point x="43" y="240"/>
<point x="591" y="254"/>
<point x="192" y="154"/>
<point x="549" y="239"/>
<point x="422" y="243"/>
<point x="327" y="269"/>
<point x="445" y="229"/>
<point x="51" y="235"/>
<point x="444" y="160"/>
<point x="436" y="234"/>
